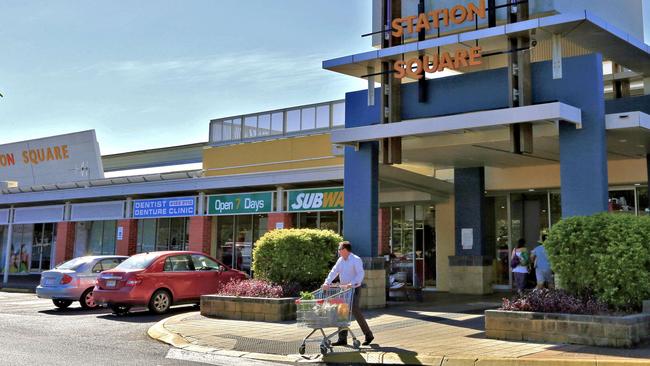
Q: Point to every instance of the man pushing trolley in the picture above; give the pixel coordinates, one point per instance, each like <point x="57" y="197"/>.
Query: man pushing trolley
<point x="331" y="305"/>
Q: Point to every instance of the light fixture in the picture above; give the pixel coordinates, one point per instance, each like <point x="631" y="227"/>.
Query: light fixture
<point x="622" y="140"/>
<point x="531" y="190"/>
<point x="637" y="184"/>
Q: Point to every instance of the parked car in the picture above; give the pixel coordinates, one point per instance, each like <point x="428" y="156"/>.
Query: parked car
<point x="159" y="280"/>
<point x="75" y="279"/>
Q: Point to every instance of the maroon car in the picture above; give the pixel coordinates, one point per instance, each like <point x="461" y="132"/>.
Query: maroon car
<point x="159" y="280"/>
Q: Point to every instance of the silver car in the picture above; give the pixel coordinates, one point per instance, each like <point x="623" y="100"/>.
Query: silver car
<point x="74" y="280"/>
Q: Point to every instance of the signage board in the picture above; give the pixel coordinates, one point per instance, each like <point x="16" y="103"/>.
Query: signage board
<point x="66" y="158"/>
<point x="321" y="199"/>
<point x="245" y="203"/>
<point x="164" y="207"/>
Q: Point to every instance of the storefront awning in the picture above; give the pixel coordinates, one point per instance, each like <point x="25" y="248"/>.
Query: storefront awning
<point x="546" y="113"/>
<point x="628" y="134"/>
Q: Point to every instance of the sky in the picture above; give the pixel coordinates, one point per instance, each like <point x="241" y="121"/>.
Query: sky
<point x="153" y="73"/>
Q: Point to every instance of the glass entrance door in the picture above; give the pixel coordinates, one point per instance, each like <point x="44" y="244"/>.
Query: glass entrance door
<point x="42" y="247"/>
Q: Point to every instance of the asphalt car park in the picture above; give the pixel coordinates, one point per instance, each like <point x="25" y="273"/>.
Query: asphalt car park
<point x="35" y="332"/>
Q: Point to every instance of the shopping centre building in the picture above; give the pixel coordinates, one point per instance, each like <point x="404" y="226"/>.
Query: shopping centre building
<point x="483" y="123"/>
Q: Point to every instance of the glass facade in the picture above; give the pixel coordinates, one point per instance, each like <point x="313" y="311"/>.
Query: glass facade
<point x="413" y="246"/>
<point x="290" y="121"/>
<point x="31" y="247"/>
<point x="326" y="220"/>
<point x="236" y="236"/>
<point x="95" y="238"/>
<point x="163" y="234"/>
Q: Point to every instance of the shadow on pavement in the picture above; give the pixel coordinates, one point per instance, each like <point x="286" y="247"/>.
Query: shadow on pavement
<point x="642" y="351"/>
<point x="73" y="311"/>
<point x="138" y="315"/>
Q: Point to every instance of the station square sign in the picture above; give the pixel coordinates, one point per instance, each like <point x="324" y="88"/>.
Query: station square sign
<point x="416" y="67"/>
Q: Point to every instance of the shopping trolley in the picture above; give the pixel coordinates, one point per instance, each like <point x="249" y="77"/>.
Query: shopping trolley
<point x="330" y="308"/>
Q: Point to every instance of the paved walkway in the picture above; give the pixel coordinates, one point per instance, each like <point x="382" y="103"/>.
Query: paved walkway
<point x="449" y="328"/>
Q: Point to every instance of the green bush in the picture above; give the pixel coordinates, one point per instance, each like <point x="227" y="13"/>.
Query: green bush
<point x="605" y="254"/>
<point x="289" y="256"/>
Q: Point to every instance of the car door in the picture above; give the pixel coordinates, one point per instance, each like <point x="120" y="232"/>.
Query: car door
<point x="179" y="275"/>
<point x="208" y="275"/>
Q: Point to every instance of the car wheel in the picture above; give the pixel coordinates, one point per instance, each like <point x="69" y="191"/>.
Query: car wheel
<point x="87" y="300"/>
<point x="120" y="309"/>
<point x="62" y="304"/>
<point x="160" y="302"/>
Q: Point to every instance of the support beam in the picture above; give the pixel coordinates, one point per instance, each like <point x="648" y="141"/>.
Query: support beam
<point x="557" y="56"/>
<point x="390" y="86"/>
<point x="10" y="235"/>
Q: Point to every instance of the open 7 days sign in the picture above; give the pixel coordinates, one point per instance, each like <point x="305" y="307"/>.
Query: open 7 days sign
<point x="315" y="199"/>
<point x="229" y="204"/>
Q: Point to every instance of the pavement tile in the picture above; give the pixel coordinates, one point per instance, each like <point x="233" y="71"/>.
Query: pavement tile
<point x="408" y="333"/>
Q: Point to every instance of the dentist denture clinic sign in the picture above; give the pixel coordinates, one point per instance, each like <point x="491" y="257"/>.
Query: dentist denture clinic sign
<point x="229" y="204"/>
<point x="415" y="67"/>
<point x="326" y="199"/>
<point x="58" y="159"/>
<point x="164" y="207"/>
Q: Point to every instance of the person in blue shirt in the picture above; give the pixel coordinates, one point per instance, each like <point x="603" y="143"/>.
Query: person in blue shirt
<point x="542" y="265"/>
<point x="349" y="270"/>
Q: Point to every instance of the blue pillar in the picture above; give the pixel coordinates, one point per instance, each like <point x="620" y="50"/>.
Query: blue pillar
<point x="583" y="153"/>
<point x="361" y="178"/>
<point x="469" y="192"/>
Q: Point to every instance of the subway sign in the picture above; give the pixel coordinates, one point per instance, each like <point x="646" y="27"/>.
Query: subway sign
<point x="247" y="203"/>
<point x="324" y="199"/>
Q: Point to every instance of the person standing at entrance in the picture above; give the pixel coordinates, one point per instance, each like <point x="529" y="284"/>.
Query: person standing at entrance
<point x="520" y="272"/>
<point x="542" y="265"/>
<point x="349" y="269"/>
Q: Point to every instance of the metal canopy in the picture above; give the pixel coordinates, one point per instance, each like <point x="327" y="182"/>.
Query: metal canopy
<point x="583" y="28"/>
<point x="541" y="113"/>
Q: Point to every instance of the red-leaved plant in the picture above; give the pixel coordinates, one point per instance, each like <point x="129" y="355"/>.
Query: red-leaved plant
<point x="554" y="301"/>
<point x="251" y="288"/>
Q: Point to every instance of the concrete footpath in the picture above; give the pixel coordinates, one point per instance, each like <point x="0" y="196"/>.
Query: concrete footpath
<point x="446" y="331"/>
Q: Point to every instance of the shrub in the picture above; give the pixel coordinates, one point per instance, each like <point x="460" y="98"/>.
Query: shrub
<point x="250" y="288"/>
<point x="554" y="301"/>
<point x="605" y="254"/>
<point x="296" y="258"/>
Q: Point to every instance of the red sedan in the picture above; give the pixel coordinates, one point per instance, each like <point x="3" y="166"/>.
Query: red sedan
<point x="159" y="280"/>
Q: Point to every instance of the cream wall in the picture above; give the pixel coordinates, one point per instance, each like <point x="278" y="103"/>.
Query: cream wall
<point x="620" y="172"/>
<point x="445" y="241"/>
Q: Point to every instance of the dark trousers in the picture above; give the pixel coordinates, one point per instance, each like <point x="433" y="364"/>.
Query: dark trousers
<point x="356" y="311"/>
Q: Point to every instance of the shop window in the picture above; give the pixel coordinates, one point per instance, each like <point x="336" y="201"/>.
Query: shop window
<point x="622" y="201"/>
<point x="323" y="116"/>
<point x="642" y="199"/>
<point x="329" y="221"/>
<point x="101" y="238"/>
<point x="556" y="207"/>
<point x="308" y="220"/>
<point x="163" y="234"/>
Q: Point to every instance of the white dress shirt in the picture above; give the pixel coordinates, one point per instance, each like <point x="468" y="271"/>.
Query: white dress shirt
<point x="350" y="271"/>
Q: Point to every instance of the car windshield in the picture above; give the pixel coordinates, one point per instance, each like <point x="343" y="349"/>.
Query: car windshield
<point x="74" y="264"/>
<point x="139" y="261"/>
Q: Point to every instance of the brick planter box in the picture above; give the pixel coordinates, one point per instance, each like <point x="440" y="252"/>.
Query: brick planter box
<point x="248" y="308"/>
<point x="609" y="331"/>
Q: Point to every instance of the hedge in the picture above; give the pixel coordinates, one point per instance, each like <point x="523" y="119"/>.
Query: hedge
<point x="302" y="256"/>
<point x="607" y="255"/>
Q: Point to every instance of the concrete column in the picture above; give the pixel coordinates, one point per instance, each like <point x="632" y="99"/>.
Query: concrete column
<point x="128" y="244"/>
<point x="65" y="235"/>
<point x="200" y="234"/>
<point x="583" y="152"/>
<point x="279" y="220"/>
<point x="10" y="234"/>
<point x="279" y="199"/>
<point x="646" y="86"/>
